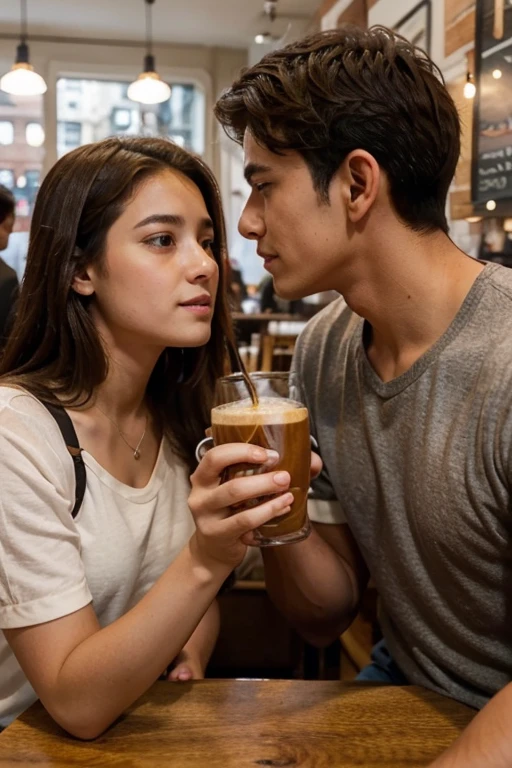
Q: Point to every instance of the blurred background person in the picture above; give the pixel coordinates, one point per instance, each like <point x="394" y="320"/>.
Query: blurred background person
<point x="8" y="278"/>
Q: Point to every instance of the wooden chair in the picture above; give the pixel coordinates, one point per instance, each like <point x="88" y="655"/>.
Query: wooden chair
<point x="273" y="345"/>
<point x="358" y="640"/>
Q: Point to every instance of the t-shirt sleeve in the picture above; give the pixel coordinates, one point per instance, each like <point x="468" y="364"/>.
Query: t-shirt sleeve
<point x="323" y="505"/>
<point x="42" y="576"/>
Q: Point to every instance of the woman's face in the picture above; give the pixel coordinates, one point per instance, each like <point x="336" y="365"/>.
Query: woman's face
<point x="158" y="280"/>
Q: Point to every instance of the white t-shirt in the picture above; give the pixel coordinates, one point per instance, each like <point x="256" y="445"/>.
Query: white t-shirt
<point x="51" y="565"/>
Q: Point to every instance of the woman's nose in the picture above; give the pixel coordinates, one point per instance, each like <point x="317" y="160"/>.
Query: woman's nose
<point x="202" y="266"/>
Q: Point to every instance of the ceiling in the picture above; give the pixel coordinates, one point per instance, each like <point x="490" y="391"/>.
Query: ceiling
<point x="230" y="23"/>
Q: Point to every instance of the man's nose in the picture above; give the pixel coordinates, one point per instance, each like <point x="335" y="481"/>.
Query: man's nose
<point x="251" y="224"/>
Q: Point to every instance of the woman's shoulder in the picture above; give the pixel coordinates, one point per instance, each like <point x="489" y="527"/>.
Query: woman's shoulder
<point x="21" y="403"/>
<point x="24" y="418"/>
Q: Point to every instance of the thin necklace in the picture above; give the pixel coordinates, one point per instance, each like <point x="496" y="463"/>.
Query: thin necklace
<point x="136" y="450"/>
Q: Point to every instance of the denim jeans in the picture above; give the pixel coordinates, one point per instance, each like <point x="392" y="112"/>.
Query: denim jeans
<point x="383" y="668"/>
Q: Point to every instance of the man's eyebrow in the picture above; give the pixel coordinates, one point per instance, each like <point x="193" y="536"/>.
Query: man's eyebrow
<point x="169" y="218"/>
<point x="252" y="168"/>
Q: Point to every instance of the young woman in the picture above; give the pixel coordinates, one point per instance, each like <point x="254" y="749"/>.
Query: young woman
<point x="119" y="336"/>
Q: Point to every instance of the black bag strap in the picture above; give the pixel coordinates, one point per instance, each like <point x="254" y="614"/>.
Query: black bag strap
<point x="68" y="433"/>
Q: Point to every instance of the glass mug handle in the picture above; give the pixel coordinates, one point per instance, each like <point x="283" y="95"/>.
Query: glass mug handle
<point x="205" y="445"/>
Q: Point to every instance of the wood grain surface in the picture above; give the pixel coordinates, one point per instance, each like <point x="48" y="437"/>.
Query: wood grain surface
<point x="242" y="724"/>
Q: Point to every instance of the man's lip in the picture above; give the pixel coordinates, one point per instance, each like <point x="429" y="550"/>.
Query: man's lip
<point x="204" y="300"/>
<point x="266" y="256"/>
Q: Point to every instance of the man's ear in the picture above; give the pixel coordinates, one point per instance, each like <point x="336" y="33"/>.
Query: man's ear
<point x="363" y="176"/>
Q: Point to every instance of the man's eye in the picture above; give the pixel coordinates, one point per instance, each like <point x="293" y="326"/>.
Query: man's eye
<point x="161" y="241"/>
<point x="262" y="186"/>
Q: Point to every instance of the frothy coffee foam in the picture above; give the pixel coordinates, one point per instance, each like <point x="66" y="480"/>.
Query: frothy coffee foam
<point x="270" y="410"/>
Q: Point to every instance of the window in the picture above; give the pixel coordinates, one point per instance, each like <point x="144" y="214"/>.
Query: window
<point x="69" y="136"/>
<point x="25" y="192"/>
<point x="33" y="181"/>
<point x="121" y="118"/>
<point x="21" y="147"/>
<point x="6" y="132"/>
<point x="7" y="178"/>
<point x="101" y="108"/>
<point x="34" y="134"/>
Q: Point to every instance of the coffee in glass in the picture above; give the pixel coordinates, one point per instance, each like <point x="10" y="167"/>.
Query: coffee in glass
<point x="275" y="423"/>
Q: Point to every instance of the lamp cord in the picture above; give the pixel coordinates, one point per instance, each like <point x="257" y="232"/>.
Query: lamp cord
<point x="23" y="13"/>
<point x="149" y="31"/>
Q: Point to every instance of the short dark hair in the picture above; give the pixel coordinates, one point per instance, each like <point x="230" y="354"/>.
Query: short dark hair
<point x="346" y="89"/>
<point x="7" y="203"/>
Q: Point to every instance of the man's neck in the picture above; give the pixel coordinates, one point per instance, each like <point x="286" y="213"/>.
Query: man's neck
<point x="409" y="287"/>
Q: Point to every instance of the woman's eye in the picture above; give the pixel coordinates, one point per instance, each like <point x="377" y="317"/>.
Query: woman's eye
<point x="208" y="245"/>
<point x="161" y="241"/>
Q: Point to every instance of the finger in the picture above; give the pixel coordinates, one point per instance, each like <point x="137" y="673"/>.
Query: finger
<point x="217" y="459"/>
<point x="237" y="491"/>
<point x="181" y="672"/>
<point x="244" y="522"/>
<point x="316" y="465"/>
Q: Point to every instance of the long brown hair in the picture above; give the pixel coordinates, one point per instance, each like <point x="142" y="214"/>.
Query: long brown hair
<point x="54" y="350"/>
<point x="346" y="89"/>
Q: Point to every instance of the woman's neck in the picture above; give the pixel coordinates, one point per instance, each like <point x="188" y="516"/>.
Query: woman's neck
<point x="123" y="393"/>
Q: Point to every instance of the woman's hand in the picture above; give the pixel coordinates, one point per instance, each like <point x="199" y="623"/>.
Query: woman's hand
<point x="186" y="667"/>
<point x="219" y="531"/>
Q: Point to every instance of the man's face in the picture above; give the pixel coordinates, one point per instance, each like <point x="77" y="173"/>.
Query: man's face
<point x="301" y="238"/>
<point x="5" y="230"/>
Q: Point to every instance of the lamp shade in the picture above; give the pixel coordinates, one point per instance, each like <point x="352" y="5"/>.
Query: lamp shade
<point x="21" y="80"/>
<point x="149" y="88"/>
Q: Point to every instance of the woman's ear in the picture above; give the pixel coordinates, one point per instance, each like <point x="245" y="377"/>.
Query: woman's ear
<point x="82" y="282"/>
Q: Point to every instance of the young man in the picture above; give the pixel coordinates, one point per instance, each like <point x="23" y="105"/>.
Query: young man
<point x="8" y="277"/>
<point x="351" y="141"/>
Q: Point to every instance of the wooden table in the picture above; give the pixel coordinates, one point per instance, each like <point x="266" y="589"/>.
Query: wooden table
<point x="249" y="724"/>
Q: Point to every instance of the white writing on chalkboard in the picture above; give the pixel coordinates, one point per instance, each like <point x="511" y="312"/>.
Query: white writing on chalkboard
<point x="497" y="153"/>
<point x="494" y="176"/>
<point x="505" y="167"/>
<point x="497" y="182"/>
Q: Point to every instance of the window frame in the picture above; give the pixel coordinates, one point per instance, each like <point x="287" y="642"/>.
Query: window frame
<point x="179" y="75"/>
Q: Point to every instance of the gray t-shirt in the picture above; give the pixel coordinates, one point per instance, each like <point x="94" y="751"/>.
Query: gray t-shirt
<point x="421" y="467"/>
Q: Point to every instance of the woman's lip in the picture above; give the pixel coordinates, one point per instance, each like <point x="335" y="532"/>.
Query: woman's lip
<point x="197" y="309"/>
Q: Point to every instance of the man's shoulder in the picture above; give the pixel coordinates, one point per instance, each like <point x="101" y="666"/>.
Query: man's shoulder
<point x="331" y="319"/>
<point x="323" y="340"/>
<point x="499" y="281"/>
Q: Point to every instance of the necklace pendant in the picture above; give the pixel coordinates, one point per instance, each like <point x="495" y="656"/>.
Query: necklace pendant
<point x="136" y="454"/>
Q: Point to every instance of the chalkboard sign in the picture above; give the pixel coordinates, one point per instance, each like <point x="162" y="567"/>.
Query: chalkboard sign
<point x="492" y="126"/>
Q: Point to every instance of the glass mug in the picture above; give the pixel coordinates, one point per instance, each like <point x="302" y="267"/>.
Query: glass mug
<point x="277" y="423"/>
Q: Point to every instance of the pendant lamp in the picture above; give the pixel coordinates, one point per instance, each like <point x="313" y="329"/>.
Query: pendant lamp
<point x="149" y="88"/>
<point x="22" y="80"/>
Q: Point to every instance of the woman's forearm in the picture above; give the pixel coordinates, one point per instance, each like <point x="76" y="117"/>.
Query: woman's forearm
<point x="109" y="669"/>
<point x="199" y="648"/>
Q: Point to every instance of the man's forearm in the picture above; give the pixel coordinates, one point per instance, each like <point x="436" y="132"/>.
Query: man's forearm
<point x="313" y="586"/>
<point x="487" y="741"/>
